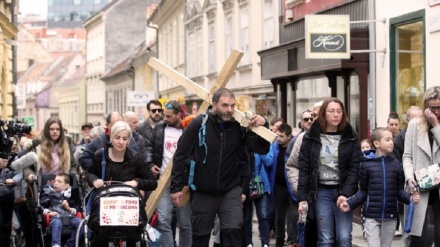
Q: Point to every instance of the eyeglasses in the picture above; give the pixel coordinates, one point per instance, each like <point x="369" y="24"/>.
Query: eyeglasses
<point x="156" y="110"/>
<point x="169" y="106"/>
<point x="334" y="112"/>
<point x="434" y="107"/>
<point x="307" y="119"/>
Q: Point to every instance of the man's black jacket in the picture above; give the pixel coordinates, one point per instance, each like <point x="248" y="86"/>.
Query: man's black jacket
<point x="227" y="161"/>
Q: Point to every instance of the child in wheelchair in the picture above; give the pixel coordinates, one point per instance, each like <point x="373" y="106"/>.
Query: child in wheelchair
<point x="56" y="201"/>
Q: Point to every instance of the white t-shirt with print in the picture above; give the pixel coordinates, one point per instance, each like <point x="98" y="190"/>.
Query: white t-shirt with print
<point x="172" y="135"/>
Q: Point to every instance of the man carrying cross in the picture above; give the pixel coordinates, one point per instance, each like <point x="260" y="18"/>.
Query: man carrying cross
<point x="221" y="174"/>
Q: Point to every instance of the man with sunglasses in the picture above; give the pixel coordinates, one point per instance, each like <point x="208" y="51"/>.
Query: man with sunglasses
<point x="160" y="150"/>
<point x="155" y="111"/>
<point x="307" y="118"/>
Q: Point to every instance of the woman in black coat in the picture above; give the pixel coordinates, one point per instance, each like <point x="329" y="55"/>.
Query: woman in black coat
<point x="329" y="167"/>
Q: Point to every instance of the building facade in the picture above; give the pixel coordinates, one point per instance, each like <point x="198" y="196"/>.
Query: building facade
<point x="8" y="33"/>
<point x="168" y="20"/>
<point x="299" y="83"/>
<point x="197" y="38"/>
<point x="108" y="41"/>
<point x="410" y="34"/>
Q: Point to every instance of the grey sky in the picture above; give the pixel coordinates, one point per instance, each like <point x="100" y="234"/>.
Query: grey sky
<point x="33" y="7"/>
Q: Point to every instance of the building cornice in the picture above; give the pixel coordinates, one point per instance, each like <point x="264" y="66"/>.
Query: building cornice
<point x="9" y="30"/>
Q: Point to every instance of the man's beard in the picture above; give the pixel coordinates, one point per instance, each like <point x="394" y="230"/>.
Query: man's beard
<point x="156" y="119"/>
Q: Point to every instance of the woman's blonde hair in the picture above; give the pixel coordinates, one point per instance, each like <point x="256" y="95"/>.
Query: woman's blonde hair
<point x="430" y="94"/>
<point x="47" y="145"/>
<point x="118" y="127"/>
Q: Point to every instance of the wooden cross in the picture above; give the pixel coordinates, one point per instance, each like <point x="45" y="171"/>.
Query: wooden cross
<point x="222" y="80"/>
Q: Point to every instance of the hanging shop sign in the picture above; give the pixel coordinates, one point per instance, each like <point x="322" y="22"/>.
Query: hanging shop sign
<point x="327" y="36"/>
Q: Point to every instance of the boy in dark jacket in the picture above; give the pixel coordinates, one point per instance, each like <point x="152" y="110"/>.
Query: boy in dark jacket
<point x="57" y="202"/>
<point x="380" y="189"/>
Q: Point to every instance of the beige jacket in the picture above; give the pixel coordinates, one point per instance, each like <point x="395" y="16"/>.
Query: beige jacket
<point x="418" y="154"/>
<point x="292" y="168"/>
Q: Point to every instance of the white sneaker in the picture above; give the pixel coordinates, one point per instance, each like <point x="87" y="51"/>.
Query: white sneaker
<point x="249" y="245"/>
<point x="56" y="245"/>
<point x="398" y="233"/>
<point x="265" y="245"/>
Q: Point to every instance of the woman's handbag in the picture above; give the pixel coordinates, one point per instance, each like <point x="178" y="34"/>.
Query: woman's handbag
<point x="428" y="178"/>
<point x="256" y="188"/>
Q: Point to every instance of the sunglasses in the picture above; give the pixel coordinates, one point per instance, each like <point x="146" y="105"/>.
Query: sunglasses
<point x="434" y="108"/>
<point x="306" y="119"/>
<point x="156" y="110"/>
<point x="169" y="106"/>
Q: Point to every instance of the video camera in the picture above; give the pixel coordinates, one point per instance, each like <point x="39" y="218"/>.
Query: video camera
<point x="14" y="129"/>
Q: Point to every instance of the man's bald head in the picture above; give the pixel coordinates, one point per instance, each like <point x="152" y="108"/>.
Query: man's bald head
<point x="132" y="119"/>
<point x="112" y="118"/>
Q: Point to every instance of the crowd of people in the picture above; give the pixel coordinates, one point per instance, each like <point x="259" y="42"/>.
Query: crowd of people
<point x="320" y="170"/>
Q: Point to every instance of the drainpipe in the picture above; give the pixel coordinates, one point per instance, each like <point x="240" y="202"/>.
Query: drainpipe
<point x="151" y="25"/>
<point x="280" y="22"/>
<point x="372" y="64"/>
<point x="14" y="57"/>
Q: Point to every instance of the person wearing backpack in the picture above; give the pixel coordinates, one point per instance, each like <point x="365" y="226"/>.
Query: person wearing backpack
<point x="221" y="169"/>
<point x="160" y="150"/>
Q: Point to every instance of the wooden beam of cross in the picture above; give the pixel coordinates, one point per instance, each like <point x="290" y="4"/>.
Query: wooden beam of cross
<point x="207" y="96"/>
<point x="165" y="178"/>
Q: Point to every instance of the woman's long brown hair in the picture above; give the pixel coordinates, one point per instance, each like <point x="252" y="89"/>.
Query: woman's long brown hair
<point x="47" y="145"/>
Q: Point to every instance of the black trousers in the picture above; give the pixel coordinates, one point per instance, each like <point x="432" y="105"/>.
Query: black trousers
<point x="228" y="207"/>
<point x="424" y="239"/>
<point x="6" y="210"/>
<point x="283" y="203"/>
<point x="24" y="217"/>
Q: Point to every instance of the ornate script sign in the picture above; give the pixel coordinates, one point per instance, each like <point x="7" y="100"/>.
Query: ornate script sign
<point x="327" y="36"/>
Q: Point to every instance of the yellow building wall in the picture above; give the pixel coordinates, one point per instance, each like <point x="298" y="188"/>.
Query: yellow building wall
<point x="8" y="32"/>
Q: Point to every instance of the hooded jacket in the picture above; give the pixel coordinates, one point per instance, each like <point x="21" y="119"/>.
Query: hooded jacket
<point x="222" y="165"/>
<point x="52" y="200"/>
<point x="380" y="187"/>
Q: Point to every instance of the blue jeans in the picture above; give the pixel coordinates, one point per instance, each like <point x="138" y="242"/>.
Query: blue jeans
<point x="165" y="213"/>
<point x="56" y="227"/>
<point x="328" y="216"/>
<point x="262" y="206"/>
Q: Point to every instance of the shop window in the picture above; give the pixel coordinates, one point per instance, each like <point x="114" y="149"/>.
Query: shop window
<point x="309" y="92"/>
<point x="407" y="63"/>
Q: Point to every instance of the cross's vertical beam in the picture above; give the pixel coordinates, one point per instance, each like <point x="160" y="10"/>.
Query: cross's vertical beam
<point x="222" y="79"/>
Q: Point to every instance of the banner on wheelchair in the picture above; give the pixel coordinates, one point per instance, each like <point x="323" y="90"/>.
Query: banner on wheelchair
<point x="119" y="211"/>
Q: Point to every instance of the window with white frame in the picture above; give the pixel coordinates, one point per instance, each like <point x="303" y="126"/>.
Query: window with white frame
<point x="211" y="47"/>
<point x="268" y="24"/>
<point x="175" y="44"/>
<point x="244" y="33"/>
<point x="199" y="52"/>
<point x="190" y="55"/>
<point x="181" y="41"/>
<point x="228" y="34"/>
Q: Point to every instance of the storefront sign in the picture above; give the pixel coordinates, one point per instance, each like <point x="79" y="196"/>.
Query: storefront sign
<point x="327" y="36"/>
<point x="139" y="98"/>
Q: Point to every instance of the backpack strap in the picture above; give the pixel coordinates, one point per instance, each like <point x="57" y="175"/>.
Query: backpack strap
<point x="103" y="165"/>
<point x="202" y="135"/>
<point x="192" y="165"/>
